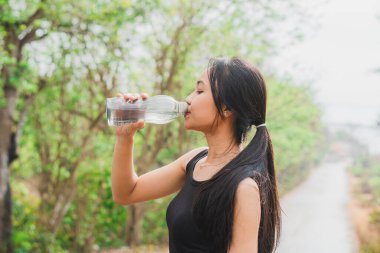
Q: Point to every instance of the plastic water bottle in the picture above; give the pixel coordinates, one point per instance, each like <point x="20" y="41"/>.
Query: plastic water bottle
<point x="160" y="109"/>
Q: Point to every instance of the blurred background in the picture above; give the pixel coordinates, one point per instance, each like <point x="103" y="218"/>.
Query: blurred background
<point x="60" y="60"/>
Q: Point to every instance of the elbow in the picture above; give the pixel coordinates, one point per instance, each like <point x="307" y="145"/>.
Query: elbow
<point x="120" y="201"/>
<point x="122" y="197"/>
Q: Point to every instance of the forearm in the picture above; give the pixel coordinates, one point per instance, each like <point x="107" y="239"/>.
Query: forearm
<point x="123" y="175"/>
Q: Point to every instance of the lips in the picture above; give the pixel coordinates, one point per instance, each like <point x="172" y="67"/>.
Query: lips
<point x="187" y="114"/>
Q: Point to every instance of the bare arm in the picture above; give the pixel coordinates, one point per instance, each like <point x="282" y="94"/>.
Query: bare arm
<point x="245" y="232"/>
<point x="123" y="176"/>
<point x="127" y="186"/>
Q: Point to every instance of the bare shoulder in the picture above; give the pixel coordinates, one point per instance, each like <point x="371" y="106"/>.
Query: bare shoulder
<point x="248" y="185"/>
<point x="190" y="155"/>
<point x="247" y="216"/>
<point x="247" y="193"/>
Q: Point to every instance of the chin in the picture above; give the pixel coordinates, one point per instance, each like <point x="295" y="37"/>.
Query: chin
<point x="194" y="128"/>
<point x="187" y="125"/>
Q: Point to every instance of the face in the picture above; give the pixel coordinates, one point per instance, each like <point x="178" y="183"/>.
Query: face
<point x="202" y="109"/>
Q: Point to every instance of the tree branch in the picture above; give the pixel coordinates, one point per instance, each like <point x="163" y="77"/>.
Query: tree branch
<point x="81" y="114"/>
<point x="29" y="100"/>
<point x="28" y="37"/>
<point x="39" y="13"/>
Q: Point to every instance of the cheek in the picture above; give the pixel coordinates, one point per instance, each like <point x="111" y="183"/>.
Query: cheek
<point x="204" y="108"/>
<point x="202" y="116"/>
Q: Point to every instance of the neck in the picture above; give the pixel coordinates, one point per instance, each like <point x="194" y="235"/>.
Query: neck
<point x="221" y="145"/>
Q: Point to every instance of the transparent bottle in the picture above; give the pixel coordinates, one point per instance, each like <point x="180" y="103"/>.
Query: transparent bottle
<point x="159" y="109"/>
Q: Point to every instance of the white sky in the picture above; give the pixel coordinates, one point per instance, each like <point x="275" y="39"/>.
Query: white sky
<point x="342" y="56"/>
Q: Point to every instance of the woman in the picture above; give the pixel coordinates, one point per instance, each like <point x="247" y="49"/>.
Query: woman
<point x="227" y="200"/>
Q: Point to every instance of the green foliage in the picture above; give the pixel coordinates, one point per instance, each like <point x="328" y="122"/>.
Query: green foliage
<point x="296" y="130"/>
<point x="154" y="223"/>
<point x="375" y="218"/>
<point x="367" y="170"/>
<point x="373" y="247"/>
<point x="91" y="48"/>
<point x="24" y="226"/>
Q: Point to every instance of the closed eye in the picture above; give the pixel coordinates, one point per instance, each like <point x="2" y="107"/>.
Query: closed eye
<point x="199" y="91"/>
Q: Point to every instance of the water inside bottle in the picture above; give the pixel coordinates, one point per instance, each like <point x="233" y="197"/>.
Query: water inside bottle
<point x="117" y="117"/>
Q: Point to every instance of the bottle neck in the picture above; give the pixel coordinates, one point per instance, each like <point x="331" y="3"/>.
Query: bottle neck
<point x="181" y="107"/>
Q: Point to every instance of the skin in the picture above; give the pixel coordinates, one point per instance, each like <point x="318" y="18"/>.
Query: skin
<point x="129" y="188"/>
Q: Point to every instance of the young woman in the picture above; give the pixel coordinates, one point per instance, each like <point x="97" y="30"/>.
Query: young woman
<point x="227" y="197"/>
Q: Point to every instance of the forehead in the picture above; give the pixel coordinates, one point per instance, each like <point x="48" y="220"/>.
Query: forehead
<point x="204" y="75"/>
<point x="203" y="80"/>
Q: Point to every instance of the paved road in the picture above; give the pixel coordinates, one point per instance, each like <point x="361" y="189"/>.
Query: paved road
<point x="315" y="215"/>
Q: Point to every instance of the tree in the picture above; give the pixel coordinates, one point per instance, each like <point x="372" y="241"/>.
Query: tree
<point x="86" y="50"/>
<point x="19" y="28"/>
<point x="15" y="35"/>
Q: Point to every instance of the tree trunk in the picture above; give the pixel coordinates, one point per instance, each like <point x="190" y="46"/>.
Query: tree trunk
<point x="6" y="157"/>
<point x="8" y="139"/>
<point x="134" y="226"/>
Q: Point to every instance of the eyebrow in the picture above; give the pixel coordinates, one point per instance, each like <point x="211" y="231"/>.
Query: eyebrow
<point x="200" y="82"/>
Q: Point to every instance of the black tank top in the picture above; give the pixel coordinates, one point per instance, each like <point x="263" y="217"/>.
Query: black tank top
<point x="184" y="235"/>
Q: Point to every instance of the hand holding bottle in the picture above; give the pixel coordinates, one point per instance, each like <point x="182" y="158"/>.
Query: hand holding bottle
<point x="129" y="130"/>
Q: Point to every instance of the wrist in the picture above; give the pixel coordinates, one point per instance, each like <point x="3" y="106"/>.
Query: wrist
<point x="124" y="139"/>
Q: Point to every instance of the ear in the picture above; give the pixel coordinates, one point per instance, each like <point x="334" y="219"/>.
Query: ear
<point x="227" y="113"/>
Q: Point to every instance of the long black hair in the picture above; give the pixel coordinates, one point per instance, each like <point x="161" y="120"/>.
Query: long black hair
<point x="239" y="87"/>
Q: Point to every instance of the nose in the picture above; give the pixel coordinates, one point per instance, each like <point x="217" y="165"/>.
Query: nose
<point x="188" y="99"/>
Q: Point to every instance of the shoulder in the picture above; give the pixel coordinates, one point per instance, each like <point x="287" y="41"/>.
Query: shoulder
<point x="247" y="186"/>
<point x="185" y="159"/>
<point x="247" y="196"/>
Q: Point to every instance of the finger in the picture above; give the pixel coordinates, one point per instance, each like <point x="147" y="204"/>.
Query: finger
<point x="132" y="98"/>
<point x="126" y="96"/>
<point x="144" y="96"/>
<point x="136" y="96"/>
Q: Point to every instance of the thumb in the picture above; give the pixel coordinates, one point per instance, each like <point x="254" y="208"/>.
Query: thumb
<point x="140" y="124"/>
